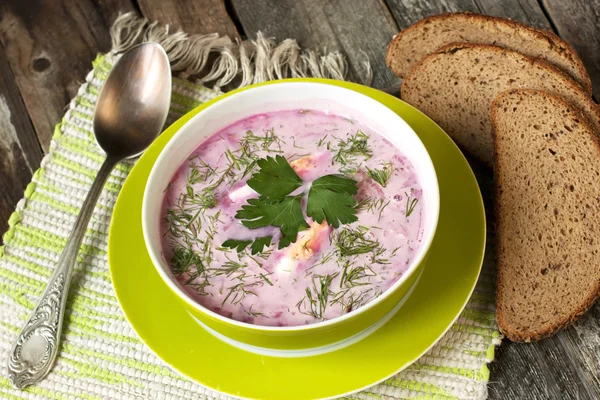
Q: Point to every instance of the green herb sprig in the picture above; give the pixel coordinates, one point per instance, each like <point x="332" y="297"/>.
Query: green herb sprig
<point x="329" y="198"/>
<point x="317" y="298"/>
<point x="382" y="175"/>
<point x="257" y="245"/>
<point x="411" y="203"/>
<point x="349" y="152"/>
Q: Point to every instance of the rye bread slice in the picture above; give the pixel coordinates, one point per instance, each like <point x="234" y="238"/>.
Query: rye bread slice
<point x="455" y="86"/>
<point x="547" y="183"/>
<point x="411" y="45"/>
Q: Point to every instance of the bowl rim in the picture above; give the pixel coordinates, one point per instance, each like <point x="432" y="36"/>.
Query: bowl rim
<point x="155" y="254"/>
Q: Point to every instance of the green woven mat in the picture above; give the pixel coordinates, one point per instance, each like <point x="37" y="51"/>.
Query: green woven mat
<point x="101" y="356"/>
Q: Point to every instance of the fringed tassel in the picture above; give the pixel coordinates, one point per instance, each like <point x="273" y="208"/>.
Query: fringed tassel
<point x="254" y="60"/>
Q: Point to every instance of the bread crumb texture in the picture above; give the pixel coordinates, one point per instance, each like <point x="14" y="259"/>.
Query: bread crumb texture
<point x="456" y="85"/>
<point x="547" y="182"/>
<point x="429" y="34"/>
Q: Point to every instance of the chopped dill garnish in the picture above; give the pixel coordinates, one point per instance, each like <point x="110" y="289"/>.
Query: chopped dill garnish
<point x="254" y="313"/>
<point x="383" y="175"/>
<point x="411" y="203"/>
<point x="354" y="276"/>
<point x="198" y="281"/>
<point x="183" y="258"/>
<point x="350" y="298"/>
<point x="374" y="205"/>
<point x="212" y="227"/>
<point x="377" y="256"/>
<point x="181" y="224"/>
<point x="317" y="297"/>
<point x="322" y="141"/>
<point x="269" y="139"/>
<point x="296" y="156"/>
<point x="229" y="268"/>
<point x="295" y="145"/>
<point x="324" y="259"/>
<point x="258" y="263"/>
<point x="204" y="199"/>
<point x="238" y="161"/>
<point x="249" y="170"/>
<point x="351" y="242"/>
<point x="264" y="278"/>
<point x="349" y="151"/>
<point x="238" y="292"/>
<point x="184" y="217"/>
<point x="199" y="172"/>
<point x="245" y="158"/>
<point x="251" y="143"/>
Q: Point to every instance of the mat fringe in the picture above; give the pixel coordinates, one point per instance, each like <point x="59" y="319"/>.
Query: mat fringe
<point x="255" y="61"/>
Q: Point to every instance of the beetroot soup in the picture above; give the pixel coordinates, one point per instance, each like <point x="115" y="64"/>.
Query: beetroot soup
<point x="291" y="218"/>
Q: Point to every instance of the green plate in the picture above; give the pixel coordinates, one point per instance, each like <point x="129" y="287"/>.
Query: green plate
<point x="443" y="290"/>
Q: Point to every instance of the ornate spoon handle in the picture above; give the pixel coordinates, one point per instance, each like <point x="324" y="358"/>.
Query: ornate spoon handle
<point x="33" y="354"/>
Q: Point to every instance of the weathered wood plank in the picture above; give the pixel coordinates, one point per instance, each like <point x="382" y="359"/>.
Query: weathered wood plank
<point x="407" y="12"/>
<point x="565" y="366"/>
<point x="20" y="151"/>
<point x="50" y="46"/>
<point x="357" y="28"/>
<point x="110" y="9"/>
<point x="578" y="22"/>
<point x="191" y="16"/>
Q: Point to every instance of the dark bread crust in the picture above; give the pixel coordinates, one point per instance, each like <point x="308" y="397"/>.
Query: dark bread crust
<point x="544" y="36"/>
<point x="509" y="331"/>
<point x="468" y="143"/>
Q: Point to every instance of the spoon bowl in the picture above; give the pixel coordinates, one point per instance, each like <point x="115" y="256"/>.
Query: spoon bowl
<point x="134" y="102"/>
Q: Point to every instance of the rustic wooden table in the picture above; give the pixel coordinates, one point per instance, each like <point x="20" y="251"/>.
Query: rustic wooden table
<point x="47" y="47"/>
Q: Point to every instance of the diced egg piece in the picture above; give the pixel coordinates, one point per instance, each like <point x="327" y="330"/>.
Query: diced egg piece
<point x="240" y="194"/>
<point x="309" y="241"/>
<point x="304" y="165"/>
<point x="306" y="246"/>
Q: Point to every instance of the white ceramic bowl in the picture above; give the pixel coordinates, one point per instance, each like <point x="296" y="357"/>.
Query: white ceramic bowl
<point x="286" y="96"/>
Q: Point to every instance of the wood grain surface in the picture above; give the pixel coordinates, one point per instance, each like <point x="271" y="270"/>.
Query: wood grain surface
<point x="191" y="16"/>
<point x="20" y="152"/>
<point x="407" y="12"/>
<point x="564" y="366"/>
<point x="50" y="46"/>
<point x="578" y="22"/>
<point x="47" y="49"/>
<point x="360" y="29"/>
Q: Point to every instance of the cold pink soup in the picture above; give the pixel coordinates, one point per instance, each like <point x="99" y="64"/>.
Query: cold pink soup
<point x="327" y="271"/>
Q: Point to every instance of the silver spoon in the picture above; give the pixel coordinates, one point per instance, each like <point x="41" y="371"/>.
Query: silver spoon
<point x="130" y="113"/>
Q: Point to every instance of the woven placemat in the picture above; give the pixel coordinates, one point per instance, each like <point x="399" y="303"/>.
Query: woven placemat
<point x="101" y="356"/>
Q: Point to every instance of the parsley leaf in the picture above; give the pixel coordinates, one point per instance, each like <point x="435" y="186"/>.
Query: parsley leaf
<point x="330" y="197"/>
<point x="238" y="245"/>
<point x="258" y="244"/>
<point x="286" y="214"/>
<point x="276" y="178"/>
